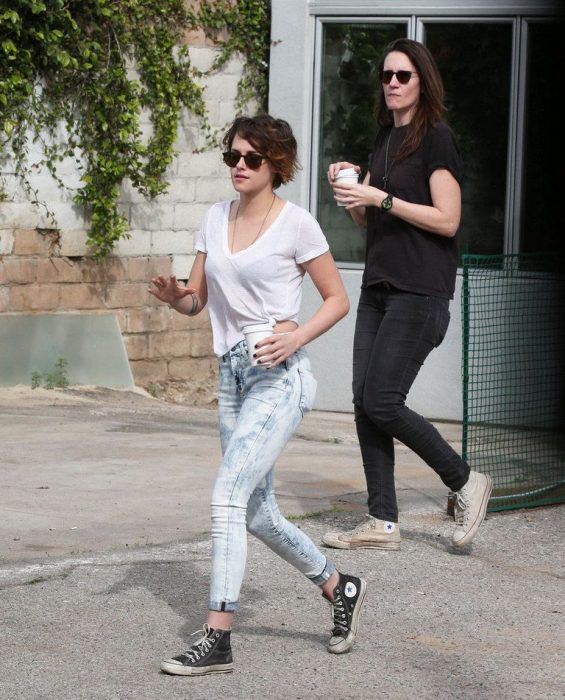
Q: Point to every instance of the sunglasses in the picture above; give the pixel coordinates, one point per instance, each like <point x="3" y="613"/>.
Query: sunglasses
<point x="403" y="76"/>
<point x="252" y="160"/>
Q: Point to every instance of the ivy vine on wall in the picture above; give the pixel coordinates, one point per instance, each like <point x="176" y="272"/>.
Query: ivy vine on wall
<point x="76" y="76"/>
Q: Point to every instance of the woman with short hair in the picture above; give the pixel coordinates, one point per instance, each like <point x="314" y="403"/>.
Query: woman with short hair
<point x="252" y="255"/>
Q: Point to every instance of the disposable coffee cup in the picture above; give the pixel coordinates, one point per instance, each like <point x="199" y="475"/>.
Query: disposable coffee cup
<point x="253" y="334"/>
<point x="347" y="175"/>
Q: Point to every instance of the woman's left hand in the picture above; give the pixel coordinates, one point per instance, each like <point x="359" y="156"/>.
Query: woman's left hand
<point x="357" y="195"/>
<point x="276" y="348"/>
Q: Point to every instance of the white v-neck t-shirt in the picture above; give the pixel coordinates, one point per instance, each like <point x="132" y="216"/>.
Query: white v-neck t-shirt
<point x="262" y="283"/>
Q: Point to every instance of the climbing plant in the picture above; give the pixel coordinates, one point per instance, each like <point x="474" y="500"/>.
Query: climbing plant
<point x="249" y="25"/>
<point x="76" y="77"/>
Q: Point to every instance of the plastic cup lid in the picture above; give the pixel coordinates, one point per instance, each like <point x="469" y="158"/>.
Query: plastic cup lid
<point x="347" y="172"/>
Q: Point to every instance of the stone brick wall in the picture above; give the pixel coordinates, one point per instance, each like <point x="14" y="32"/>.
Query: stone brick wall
<point x="43" y="269"/>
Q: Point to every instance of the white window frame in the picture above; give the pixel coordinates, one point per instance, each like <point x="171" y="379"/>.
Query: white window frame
<point x="415" y="15"/>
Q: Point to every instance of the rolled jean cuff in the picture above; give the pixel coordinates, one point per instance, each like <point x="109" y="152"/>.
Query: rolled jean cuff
<point x="327" y="571"/>
<point x="223" y="606"/>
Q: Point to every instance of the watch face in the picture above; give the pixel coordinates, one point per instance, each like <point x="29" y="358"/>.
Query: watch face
<point x="386" y="204"/>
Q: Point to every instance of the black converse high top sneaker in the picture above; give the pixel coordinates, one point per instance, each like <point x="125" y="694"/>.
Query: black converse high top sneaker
<point x="210" y="654"/>
<point x="349" y="595"/>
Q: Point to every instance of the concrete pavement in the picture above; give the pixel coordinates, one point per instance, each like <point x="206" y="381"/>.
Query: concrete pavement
<point x="104" y="547"/>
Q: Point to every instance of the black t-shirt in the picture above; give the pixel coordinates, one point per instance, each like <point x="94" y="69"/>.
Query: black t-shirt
<point x="406" y="256"/>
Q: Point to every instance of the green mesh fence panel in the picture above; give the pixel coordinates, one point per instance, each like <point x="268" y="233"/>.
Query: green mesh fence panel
<point x="513" y="375"/>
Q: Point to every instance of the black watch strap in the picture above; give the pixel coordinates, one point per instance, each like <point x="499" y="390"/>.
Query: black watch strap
<point x="386" y="204"/>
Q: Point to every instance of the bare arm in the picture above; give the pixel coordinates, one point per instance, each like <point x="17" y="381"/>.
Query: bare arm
<point x="335" y="305"/>
<point x="442" y="217"/>
<point x="189" y="300"/>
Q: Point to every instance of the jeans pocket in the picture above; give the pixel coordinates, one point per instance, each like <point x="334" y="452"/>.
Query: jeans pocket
<point x="308" y="387"/>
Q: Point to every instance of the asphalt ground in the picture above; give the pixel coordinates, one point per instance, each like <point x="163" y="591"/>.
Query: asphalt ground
<point x="105" y="553"/>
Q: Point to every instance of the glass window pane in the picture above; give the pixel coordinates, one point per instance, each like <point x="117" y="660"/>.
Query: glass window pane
<point x="350" y="57"/>
<point x="542" y="208"/>
<point x="475" y="62"/>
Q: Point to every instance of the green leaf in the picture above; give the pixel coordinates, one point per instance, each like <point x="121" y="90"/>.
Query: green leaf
<point x="9" y="47"/>
<point x="81" y="55"/>
<point x="10" y="16"/>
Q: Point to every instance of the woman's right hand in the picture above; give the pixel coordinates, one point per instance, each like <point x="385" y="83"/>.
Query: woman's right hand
<point x="334" y="169"/>
<point x="169" y="291"/>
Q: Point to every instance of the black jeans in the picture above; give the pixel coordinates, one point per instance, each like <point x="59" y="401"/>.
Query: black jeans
<point x="394" y="333"/>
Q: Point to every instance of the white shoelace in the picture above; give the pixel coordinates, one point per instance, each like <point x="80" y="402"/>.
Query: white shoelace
<point x="199" y="648"/>
<point x="339" y="617"/>
<point x="461" y="507"/>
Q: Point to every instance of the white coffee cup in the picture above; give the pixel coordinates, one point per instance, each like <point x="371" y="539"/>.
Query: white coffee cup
<point x="347" y="175"/>
<point x="253" y="334"/>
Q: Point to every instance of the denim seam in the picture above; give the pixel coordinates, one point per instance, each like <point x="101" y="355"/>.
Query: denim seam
<point x="301" y="402"/>
<point x="275" y="528"/>
<point x="239" y="470"/>
<point x="328" y="565"/>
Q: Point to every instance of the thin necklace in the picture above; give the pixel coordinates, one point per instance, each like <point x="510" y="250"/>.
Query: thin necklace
<point x="387" y="170"/>
<point x="260" y="228"/>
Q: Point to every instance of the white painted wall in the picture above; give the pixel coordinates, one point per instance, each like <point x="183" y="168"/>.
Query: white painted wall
<point x="437" y="392"/>
<point x="164" y="226"/>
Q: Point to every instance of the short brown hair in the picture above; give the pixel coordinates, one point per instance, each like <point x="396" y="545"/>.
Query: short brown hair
<point x="273" y="138"/>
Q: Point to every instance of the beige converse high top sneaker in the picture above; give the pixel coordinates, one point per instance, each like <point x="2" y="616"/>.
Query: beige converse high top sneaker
<point x="370" y="534"/>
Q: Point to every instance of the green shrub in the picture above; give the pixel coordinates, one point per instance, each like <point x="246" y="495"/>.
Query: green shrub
<point x="55" y="378"/>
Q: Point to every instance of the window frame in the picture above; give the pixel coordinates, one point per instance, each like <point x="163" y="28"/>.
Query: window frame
<point x="416" y="16"/>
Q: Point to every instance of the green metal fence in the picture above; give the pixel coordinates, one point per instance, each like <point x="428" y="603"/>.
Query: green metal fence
<point x="514" y="375"/>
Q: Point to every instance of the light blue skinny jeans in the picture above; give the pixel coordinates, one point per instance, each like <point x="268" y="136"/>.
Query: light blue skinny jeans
<point x="259" y="409"/>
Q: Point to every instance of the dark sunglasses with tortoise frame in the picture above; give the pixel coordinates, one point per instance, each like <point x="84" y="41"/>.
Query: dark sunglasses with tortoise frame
<point x="252" y="160"/>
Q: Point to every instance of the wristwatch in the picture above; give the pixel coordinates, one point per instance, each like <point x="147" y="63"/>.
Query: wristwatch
<point x="386" y="204"/>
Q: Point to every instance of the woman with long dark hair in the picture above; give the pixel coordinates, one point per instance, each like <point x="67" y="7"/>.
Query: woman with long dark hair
<point x="410" y="202"/>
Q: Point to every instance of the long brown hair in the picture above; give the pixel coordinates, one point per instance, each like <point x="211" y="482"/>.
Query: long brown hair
<point x="430" y="108"/>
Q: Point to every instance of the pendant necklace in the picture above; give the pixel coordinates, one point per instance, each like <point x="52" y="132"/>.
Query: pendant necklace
<point x="260" y="228"/>
<point x="387" y="169"/>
